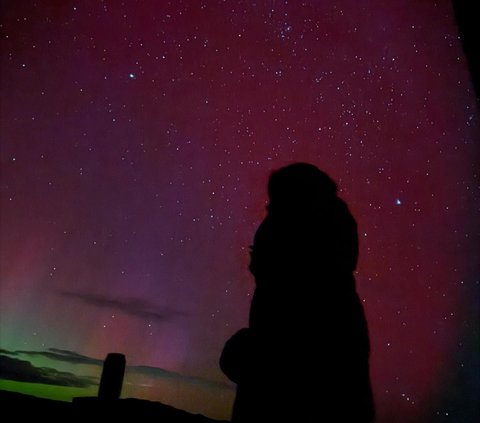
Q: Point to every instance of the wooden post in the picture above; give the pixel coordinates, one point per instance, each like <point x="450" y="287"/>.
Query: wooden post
<point x="112" y="377"/>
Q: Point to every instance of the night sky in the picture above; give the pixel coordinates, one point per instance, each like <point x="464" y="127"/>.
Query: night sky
<point x="137" y="138"/>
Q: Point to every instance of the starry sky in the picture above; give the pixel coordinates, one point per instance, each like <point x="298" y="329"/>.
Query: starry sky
<point x="137" y="138"/>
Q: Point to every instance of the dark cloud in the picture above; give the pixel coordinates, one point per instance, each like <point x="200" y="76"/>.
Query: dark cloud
<point x="24" y="371"/>
<point x="61" y="355"/>
<point x="7" y="352"/>
<point x="160" y="373"/>
<point x="132" y="306"/>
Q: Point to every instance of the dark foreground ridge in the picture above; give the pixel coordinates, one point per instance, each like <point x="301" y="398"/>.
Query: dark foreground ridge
<point x="20" y="405"/>
<point x="107" y="407"/>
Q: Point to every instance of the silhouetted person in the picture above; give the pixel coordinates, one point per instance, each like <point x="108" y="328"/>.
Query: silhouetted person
<point x="304" y="357"/>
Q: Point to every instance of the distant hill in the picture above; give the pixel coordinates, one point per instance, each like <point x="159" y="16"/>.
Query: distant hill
<point x="28" y="406"/>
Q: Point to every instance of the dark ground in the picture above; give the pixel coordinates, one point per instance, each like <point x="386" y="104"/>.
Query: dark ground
<point x="17" y="405"/>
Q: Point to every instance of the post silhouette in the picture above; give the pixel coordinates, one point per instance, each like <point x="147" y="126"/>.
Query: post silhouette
<point x="112" y="377"/>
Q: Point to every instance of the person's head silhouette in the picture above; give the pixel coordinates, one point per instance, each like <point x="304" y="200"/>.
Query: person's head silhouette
<point x="299" y="186"/>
